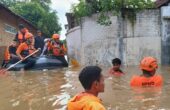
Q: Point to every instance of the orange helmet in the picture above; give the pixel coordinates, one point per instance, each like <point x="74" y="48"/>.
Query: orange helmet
<point x="55" y="36"/>
<point x="148" y="64"/>
<point x="28" y="35"/>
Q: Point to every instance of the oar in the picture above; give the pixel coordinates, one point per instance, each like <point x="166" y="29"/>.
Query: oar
<point x="3" y="71"/>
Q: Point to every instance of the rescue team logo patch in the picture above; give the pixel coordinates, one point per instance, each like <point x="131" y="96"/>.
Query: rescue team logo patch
<point x="148" y="83"/>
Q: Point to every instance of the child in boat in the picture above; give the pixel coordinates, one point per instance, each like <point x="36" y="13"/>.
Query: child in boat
<point x="93" y="82"/>
<point x="148" y="65"/>
<point x="115" y="69"/>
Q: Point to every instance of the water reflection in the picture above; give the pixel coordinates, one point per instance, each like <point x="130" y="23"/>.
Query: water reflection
<point x="50" y="90"/>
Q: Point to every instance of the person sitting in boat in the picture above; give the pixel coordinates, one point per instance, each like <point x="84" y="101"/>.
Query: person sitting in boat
<point x="56" y="47"/>
<point x="10" y="53"/>
<point x="6" y="58"/>
<point x="46" y="45"/>
<point x="39" y="41"/>
<point x="25" y="49"/>
<point x="148" y="65"/>
<point x="115" y="69"/>
<point x="20" y="36"/>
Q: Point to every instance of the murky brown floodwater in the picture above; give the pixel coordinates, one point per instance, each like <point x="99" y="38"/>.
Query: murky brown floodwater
<point x="50" y="90"/>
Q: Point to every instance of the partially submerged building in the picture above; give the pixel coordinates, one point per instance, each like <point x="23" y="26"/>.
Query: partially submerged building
<point x="9" y="22"/>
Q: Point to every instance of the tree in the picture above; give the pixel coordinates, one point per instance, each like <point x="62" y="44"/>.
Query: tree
<point x="37" y="12"/>
<point x="42" y="17"/>
<point x="7" y="2"/>
<point x="89" y="7"/>
<point x="44" y="3"/>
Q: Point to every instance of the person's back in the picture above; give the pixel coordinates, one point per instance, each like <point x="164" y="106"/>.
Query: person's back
<point x="93" y="82"/>
<point x="148" y="79"/>
<point x="85" y="101"/>
<point x="142" y="81"/>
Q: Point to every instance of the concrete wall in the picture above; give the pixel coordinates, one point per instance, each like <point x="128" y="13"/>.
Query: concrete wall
<point x="144" y="38"/>
<point x="74" y="43"/>
<point x="165" y="57"/>
<point x="100" y="44"/>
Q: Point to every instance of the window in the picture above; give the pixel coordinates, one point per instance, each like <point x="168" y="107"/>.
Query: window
<point x="10" y="29"/>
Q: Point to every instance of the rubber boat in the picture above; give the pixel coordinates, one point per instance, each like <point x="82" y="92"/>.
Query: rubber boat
<point x="43" y="62"/>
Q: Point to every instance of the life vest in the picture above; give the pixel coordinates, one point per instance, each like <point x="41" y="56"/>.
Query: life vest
<point x="7" y="55"/>
<point x="21" y="37"/>
<point x="25" y="49"/>
<point x="141" y="81"/>
<point x="85" y="101"/>
<point x="57" y="49"/>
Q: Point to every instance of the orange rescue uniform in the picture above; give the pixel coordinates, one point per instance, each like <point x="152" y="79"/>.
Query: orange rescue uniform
<point x="141" y="81"/>
<point x="85" y="101"/>
<point x="7" y="55"/>
<point x="25" y="49"/>
<point x="21" y="37"/>
<point x="57" y="49"/>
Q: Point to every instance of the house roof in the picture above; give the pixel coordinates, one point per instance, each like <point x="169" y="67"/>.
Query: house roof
<point x="160" y="3"/>
<point x="18" y="16"/>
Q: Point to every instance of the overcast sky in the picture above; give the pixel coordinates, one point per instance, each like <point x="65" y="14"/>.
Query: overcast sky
<point x="62" y="6"/>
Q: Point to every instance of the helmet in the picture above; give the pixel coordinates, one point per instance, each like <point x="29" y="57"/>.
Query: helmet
<point x="55" y="36"/>
<point x="28" y="35"/>
<point x="148" y="64"/>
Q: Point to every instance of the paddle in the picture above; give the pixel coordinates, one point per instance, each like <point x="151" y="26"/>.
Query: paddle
<point x="3" y="71"/>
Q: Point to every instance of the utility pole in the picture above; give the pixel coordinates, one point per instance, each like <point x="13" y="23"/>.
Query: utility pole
<point x="122" y="34"/>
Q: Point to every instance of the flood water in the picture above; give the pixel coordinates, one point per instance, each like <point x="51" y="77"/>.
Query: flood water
<point x="50" y="90"/>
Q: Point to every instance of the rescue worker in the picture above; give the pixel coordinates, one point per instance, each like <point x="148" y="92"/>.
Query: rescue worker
<point x="25" y="49"/>
<point x="20" y="36"/>
<point x="57" y="48"/>
<point x="10" y="54"/>
<point x="115" y="70"/>
<point x="6" y="58"/>
<point x="12" y="51"/>
<point x="93" y="82"/>
<point x="148" y="65"/>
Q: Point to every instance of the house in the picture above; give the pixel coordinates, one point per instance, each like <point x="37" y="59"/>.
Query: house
<point x="9" y="22"/>
<point x="160" y="3"/>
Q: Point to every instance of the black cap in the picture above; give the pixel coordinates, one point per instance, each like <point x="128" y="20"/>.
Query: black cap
<point x="38" y="31"/>
<point x="21" y="26"/>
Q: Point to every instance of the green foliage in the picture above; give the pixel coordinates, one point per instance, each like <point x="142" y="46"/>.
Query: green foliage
<point x="44" y="3"/>
<point x="82" y="9"/>
<point x="39" y="14"/>
<point x="116" y="6"/>
<point x="7" y="2"/>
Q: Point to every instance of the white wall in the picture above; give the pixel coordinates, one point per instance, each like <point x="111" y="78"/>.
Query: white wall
<point x="99" y="44"/>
